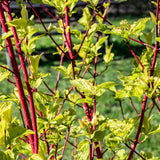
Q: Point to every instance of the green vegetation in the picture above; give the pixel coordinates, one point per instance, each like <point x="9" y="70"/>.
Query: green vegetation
<point x="75" y="96"/>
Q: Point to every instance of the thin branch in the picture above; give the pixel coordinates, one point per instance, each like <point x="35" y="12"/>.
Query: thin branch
<point x="135" y="55"/>
<point x="64" y="101"/>
<point x="120" y="103"/>
<point x="154" y="102"/>
<point x="98" y="74"/>
<point x="134" y="151"/>
<point x="7" y="69"/>
<point x="59" y="73"/>
<point x="139" y="128"/>
<point x="49" y="13"/>
<point x="134" y="106"/>
<point x="44" y="132"/>
<point x="48" y="87"/>
<point x="105" y="151"/>
<point x="47" y="29"/>
<point x="74" y="103"/>
<point x="9" y="80"/>
<point x="66" y="140"/>
<point x="87" y="69"/>
<point x="81" y="43"/>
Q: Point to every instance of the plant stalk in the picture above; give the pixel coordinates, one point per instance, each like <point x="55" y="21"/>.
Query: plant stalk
<point x="139" y="128"/>
<point x="17" y="76"/>
<point x="30" y="95"/>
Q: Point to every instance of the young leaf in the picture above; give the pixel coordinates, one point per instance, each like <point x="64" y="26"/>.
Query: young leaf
<point x="14" y="132"/>
<point x="86" y="18"/>
<point x="6" y="111"/>
<point x="61" y="69"/>
<point x="21" y="22"/>
<point x="108" y="57"/>
<point x="121" y="155"/>
<point x="98" y="135"/>
<point x="113" y="140"/>
<point x="153" y="17"/>
<point x="6" y="35"/>
<point x="4" y="73"/>
<point x="24" y="13"/>
<point x="34" y="63"/>
<point x="84" y="86"/>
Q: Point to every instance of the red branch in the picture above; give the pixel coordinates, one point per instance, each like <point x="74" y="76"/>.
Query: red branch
<point x="17" y="76"/>
<point x="139" y="129"/>
<point x="30" y="96"/>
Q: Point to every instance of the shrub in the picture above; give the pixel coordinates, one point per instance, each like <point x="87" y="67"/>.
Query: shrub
<point x="46" y="125"/>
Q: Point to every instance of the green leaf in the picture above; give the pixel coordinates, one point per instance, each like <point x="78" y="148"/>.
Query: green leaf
<point x="108" y="57"/>
<point x="82" y="144"/>
<point x="35" y="157"/>
<point x="6" y="35"/>
<point x="31" y="42"/>
<point x="24" y="13"/>
<point x="61" y="69"/>
<point x="155" y="130"/>
<point x="148" y="38"/>
<point x="86" y="18"/>
<point x="6" y="111"/>
<point x="42" y="150"/>
<point x="147" y="156"/>
<point x="113" y="140"/>
<point x="121" y="155"/>
<point x="6" y="155"/>
<point x="146" y="125"/>
<point x="36" y="81"/>
<point x="103" y="28"/>
<point x="100" y="42"/>
<point x="84" y="86"/>
<point x="122" y="128"/>
<point x="4" y="73"/>
<point x="14" y="132"/>
<point x="34" y="63"/>
<point x="121" y="94"/>
<point x="21" y="22"/>
<point x="153" y="17"/>
<point x="106" y="85"/>
<point x="37" y="1"/>
<point x="139" y="25"/>
<point x="42" y="101"/>
<point x="98" y="135"/>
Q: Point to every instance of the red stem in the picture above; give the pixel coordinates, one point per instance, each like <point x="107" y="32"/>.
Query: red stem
<point x="86" y="69"/>
<point x="139" y="128"/>
<point x="30" y="96"/>
<point x="17" y="76"/>
<point x="20" y="111"/>
<point x="134" y="107"/>
<point x="156" y="43"/>
<point x="49" y="13"/>
<point x="67" y="136"/>
<point x="68" y="40"/>
<point x="63" y="102"/>
<point x="44" y="132"/>
<point x="135" y="55"/>
<point x="59" y="73"/>
<point x="134" y="151"/>
<point x="81" y="43"/>
<point x="7" y="69"/>
<point x="46" y="29"/>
